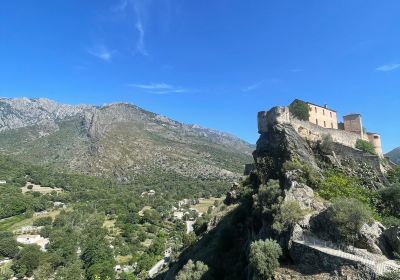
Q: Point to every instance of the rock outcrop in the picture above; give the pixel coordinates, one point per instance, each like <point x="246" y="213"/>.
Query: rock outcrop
<point x="283" y="139"/>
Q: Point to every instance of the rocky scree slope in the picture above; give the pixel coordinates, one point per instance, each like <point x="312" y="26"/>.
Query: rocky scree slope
<point x="120" y="141"/>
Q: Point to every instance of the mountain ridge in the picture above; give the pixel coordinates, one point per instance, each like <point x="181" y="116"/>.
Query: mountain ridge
<point x="394" y="155"/>
<point x="119" y="140"/>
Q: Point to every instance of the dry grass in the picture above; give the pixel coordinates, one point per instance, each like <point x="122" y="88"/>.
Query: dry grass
<point x="204" y="204"/>
<point x="123" y="260"/>
<point x="147" y="243"/>
<point x="40" y="189"/>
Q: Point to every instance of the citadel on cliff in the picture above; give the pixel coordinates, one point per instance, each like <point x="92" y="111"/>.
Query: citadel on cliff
<point x="324" y="121"/>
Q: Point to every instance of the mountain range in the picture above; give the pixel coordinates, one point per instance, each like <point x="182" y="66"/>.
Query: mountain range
<point x="120" y="141"/>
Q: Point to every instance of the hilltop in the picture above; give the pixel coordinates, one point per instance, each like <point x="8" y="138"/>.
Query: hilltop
<point x="313" y="207"/>
<point x="119" y="141"/>
<point x="394" y="155"/>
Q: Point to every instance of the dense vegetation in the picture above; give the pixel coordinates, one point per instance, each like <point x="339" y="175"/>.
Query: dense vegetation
<point x="102" y="224"/>
<point x="300" y="110"/>
<point x="365" y="146"/>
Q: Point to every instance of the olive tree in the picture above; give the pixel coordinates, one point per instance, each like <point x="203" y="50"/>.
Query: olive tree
<point x="263" y="258"/>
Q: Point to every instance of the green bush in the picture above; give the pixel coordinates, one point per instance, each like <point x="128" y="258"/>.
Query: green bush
<point x="192" y="271"/>
<point x="264" y="258"/>
<point x="348" y="215"/>
<point x="365" y="146"/>
<point x="300" y="110"/>
<point x="268" y="197"/>
<point x="288" y="215"/>
<point x="337" y="184"/>
<point x="326" y="145"/>
<point x="43" y="221"/>
<point x="390" y="200"/>
<point x="391" y="275"/>
<point x="8" y="245"/>
<point x="394" y="175"/>
<point x="310" y="176"/>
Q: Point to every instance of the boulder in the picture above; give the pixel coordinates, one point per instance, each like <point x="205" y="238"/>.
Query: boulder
<point x="392" y="237"/>
<point x="371" y="238"/>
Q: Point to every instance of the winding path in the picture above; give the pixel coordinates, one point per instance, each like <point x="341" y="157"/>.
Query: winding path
<point x="379" y="266"/>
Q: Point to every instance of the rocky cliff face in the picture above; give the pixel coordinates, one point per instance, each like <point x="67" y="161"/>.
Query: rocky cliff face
<point x="117" y="140"/>
<point x="280" y="200"/>
<point x="308" y="243"/>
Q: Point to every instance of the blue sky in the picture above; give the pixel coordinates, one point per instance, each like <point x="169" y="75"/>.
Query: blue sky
<point x="214" y="63"/>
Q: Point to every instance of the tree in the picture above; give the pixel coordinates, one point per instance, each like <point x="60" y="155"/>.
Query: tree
<point x="365" y="146"/>
<point x="264" y="257"/>
<point x="8" y="246"/>
<point x="27" y="260"/>
<point x="289" y="214"/>
<point x="390" y="200"/>
<point x="72" y="271"/>
<point x="192" y="271"/>
<point x="300" y="110"/>
<point x="348" y="215"/>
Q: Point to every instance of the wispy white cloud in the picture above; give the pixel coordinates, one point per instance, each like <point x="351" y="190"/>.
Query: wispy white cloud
<point x="253" y="86"/>
<point x="140" y="46"/>
<point x="101" y="52"/>
<point x="158" y="88"/>
<point x="388" y="67"/>
<point x="139" y="11"/>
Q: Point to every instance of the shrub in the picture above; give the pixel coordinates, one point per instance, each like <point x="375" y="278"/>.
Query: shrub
<point x="365" y="146"/>
<point x="337" y="184"/>
<point x="268" y="197"/>
<point x="390" y="200"/>
<point x="43" y="221"/>
<point x="289" y="214"/>
<point x="391" y="275"/>
<point x="394" y="175"/>
<point x="310" y="176"/>
<point x="192" y="271"/>
<point x="264" y="257"/>
<point x="348" y="215"/>
<point x="300" y="110"/>
<point x="326" y="145"/>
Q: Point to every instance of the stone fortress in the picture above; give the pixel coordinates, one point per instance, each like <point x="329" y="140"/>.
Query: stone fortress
<point x="322" y="121"/>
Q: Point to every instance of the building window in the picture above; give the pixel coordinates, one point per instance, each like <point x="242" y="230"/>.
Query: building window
<point x="323" y="112"/>
<point x="324" y="123"/>
<point x="332" y="125"/>
<point x="316" y="109"/>
<point x="316" y="121"/>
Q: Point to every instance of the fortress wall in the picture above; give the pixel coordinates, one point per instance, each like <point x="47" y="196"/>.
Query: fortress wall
<point x="358" y="155"/>
<point x="309" y="131"/>
<point x="313" y="132"/>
